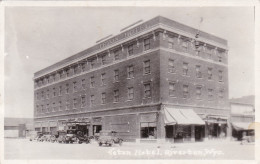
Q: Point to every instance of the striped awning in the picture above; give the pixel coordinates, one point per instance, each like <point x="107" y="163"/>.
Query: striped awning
<point x="181" y="116"/>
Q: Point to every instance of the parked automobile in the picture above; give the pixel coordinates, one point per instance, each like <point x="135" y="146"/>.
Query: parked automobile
<point x="248" y="137"/>
<point x="61" y="138"/>
<point x="109" y="138"/>
<point x="45" y="137"/>
<point x="35" y="135"/>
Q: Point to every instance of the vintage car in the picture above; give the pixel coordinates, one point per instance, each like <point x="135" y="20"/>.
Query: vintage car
<point x="71" y="136"/>
<point x="34" y="136"/>
<point x="109" y="138"/>
<point x="248" y="137"/>
<point x="61" y="138"/>
<point x="45" y="137"/>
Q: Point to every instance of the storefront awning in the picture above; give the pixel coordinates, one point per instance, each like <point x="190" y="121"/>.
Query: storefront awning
<point x="181" y="116"/>
<point x="243" y="125"/>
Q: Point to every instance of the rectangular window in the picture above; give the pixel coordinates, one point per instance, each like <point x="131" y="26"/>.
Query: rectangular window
<point x="185" y="68"/>
<point x="42" y="108"/>
<point x="221" y="93"/>
<point x="75" y="69"/>
<point x="171" y="67"/>
<point x="147" y="67"/>
<point x="74" y="86"/>
<point x="210" y="94"/>
<point x="103" y="59"/>
<point x="185" y="91"/>
<point x="198" y="91"/>
<point x="67" y="88"/>
<point x="130" y="71"/>
<point x="42" y="95"/>
<point x="83" y="67"/>
<point x="116" y="75"/>
<point x="131" y="50"/>
<point x="103" y="98"/>
<point x="116" y="95"/>
<point x="92" y="63"/>
<point x="54" y="92"/>
<point x="92" y="82"/>
<point x="67" y="72"/>
<point x="74" y="103"/>
<point x="147" y="44"/>
<point x="116" y="54"/>
<point x="170" y="43"/>
<point x="83" y="101"/>
<point x="198" y="72"/>
<point x="92" y="100"/>
<point x="103" y="79"/>
<point x="83" y="83"/>
<point x="220" y="76"/>
<point x="130" y="93"/>
<point x="67" y="105"/>
<point x="60" y="90"/>
<point x="148" y="130"/>
<point x="60" y="105"/>
<point x="47" y="108"/>
<point x="53" y="107"/>
<point x="209" y="73"/>
<point x="147" y="90"/>
<point x="172" y="89"/>
<point x="185" y="45"/>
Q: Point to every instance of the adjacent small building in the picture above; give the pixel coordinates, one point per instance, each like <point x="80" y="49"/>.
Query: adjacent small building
<point x="242" y="115"/>
<point x="17" y="127"/>
<point x="154" y="81"/>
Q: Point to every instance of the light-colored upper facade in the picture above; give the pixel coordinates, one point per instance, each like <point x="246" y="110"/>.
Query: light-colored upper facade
<point x="152" y="63"/>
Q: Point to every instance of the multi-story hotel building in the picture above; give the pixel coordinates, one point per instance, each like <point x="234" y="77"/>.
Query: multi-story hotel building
<point x="154" y="80"/>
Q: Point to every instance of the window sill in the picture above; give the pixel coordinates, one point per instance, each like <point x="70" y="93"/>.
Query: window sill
<point x="147" y="73"/>
<point x="115" y="102"/>
<point x="129" y="100"/>
<point x="147" y="97"/>
<point x="130" y="78"/>
<point x="186" y="75"/>
<point x="115" y="81"/>
<point x="172" y="72"/>
<point x="173" y="96"/>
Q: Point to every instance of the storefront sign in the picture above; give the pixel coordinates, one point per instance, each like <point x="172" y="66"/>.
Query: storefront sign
<point x="149" y="117"/>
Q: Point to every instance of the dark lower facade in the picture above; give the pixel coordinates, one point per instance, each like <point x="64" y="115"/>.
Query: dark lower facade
<point x="146" y="123"/>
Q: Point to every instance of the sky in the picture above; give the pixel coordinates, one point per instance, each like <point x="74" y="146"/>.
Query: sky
<point x="37" y="37"/>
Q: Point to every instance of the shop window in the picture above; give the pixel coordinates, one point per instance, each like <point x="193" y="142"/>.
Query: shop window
<point x="198" y="92"/>
<point x="103" y="78"/>
<point x="147" y="67"/>
<point x="67" y="88"/>
<point x="116" y="95"/>
<point x="171" y="67"/>
<point x="185" y="69"/>
<point x="148" y="130"/>
<point x="131" y="50"/>
<point x="116" y="54"/>
<point x="147" y="44"/>
<point x="92" y="82"/>
<point x="116" y="75"/>
<point x="147" y="90"/>
<point x="185" y="91"/>
<point x="130" y="71"/>
<point x="130" y="93"/>
<point x="209" y="73"/>
<point x="172" y="89"/>
<point x="198" y="71"/>
<point x="83" y="101"/>
<point x="92" y="100"/>
<point x="103" y="98"/>
<point x="220" y="76"/>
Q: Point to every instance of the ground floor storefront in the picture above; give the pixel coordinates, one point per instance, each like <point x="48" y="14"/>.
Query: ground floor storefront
<point x="151" y="123"/>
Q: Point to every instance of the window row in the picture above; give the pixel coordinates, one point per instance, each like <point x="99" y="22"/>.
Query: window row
<point x="198" y="92"/>
<point x="81" y="66"/>
<point x="58" y="107"/>
<point x="77" y="86"/>
<point x="187" y="45"/>
<point x="185" y="69"/>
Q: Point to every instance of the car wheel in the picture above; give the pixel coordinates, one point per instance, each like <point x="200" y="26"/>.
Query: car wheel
<point x="100" y="144"/>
